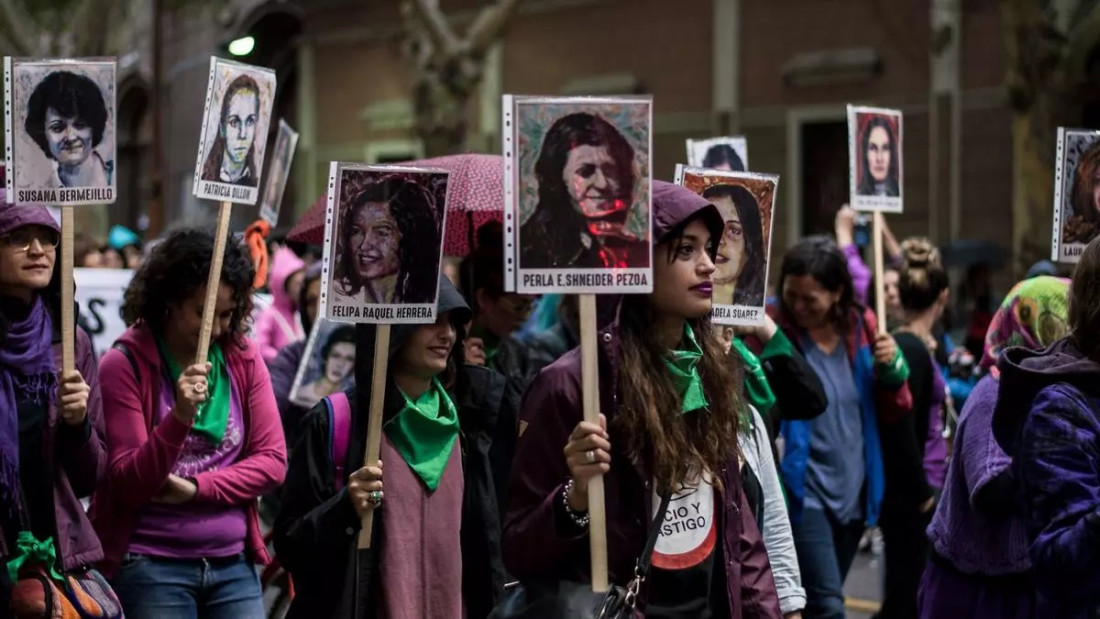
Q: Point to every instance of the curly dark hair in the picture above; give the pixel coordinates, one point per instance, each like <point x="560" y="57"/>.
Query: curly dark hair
<point x="70" y="95"/>
<point x="749" y="289"/>
<point x="555" y="210"/>
<point x="412" y="207"/>
<point x="179" y="266"/>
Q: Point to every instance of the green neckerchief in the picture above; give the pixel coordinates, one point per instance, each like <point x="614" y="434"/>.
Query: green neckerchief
<point x="424" y="433"/>
<point x="490" y="344"/>
<point x="757" y="389"/>
<point x="29" y="550"/>
<point x="683" y="367"/>
<point x="214" y="412"/>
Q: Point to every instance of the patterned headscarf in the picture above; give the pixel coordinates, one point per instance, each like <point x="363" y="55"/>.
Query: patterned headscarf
<point x="1034" y="314"/>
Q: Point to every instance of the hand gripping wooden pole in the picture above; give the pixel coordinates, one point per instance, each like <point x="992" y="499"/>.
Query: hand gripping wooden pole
<point x="374" y="426"/>
<point x="213" y="282"/>
<point x="590" y="386"/>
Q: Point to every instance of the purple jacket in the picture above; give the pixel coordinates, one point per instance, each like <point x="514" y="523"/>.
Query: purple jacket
<point x="1053" y="398"/>
<point x="538" y="544"/>
<point x="977" y="525"/>
<point x="81" y="470"/>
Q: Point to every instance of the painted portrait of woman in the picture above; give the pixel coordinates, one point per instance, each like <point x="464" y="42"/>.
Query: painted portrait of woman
<point x="335" y="370"/>
<point x="66" y="117"/>
<point x="878" y="146"/>
<point x="1084" y="224"/>
<point x="741" y="263"/>
<point x="232" y="156"/>
<point x="389" y="242"/>
<point x="586" y="175"/>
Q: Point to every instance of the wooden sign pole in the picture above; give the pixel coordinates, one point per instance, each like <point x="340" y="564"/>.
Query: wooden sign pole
<point x="374" y="425"/>
<point x="880" y="288"/>
<point x="68" y="290"/>
<point x="590" y="387"/>
<point x="213" y="282"/>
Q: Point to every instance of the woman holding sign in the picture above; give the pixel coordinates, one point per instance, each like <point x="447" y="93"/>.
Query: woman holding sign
<point x="832" y="466"/>
<point x="671" y="427"/>
<point x="436" y="538"/>
<point x="192" y="445"/>
<point x="52" y="448"/>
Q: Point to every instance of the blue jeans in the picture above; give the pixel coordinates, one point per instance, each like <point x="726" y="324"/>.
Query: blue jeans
<point x="826" y="548"/>
<point x="162" y="588"/>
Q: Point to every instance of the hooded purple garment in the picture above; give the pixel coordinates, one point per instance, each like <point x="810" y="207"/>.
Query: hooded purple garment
<point x="540" y="543"/>
<point x="26" y="360"/>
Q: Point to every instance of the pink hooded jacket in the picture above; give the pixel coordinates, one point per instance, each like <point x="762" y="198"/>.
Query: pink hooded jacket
<point x="278" y="325"/>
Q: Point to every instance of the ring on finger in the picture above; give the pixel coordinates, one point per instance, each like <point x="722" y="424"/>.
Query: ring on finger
<point x="590" y="456"/>
<point x="375" y="497"/>
<point x="200" y="388"/>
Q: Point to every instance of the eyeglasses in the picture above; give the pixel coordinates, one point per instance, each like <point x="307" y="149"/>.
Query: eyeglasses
<point x="22" y="238"/>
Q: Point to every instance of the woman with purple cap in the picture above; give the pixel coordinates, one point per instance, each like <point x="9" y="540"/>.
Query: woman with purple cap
<point x="52" y="449"/>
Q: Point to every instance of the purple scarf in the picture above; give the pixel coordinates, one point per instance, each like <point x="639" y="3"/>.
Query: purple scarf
<point x="27" y="367"/>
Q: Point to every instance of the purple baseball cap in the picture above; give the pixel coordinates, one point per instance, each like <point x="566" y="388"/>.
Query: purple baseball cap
<point x="13" y="217"/>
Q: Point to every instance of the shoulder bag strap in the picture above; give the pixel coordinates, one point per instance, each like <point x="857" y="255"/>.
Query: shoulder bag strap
<point x="339" y="409"/>
<point x="654" y="532"/>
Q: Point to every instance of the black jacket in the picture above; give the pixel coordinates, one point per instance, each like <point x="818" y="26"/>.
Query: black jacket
<point x="317" y="527"/>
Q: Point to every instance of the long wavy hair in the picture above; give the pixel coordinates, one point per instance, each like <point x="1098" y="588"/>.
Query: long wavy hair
<point x="212" y="168"/>
<point x="411" y="205"/>
<point x="176" y="269"/>
<point x="674" y="446"/>
<point x="749" y="289"/>
<point x="1084" y="302"/>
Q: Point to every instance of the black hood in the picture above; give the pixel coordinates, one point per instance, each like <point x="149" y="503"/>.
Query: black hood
<point x="1026" y="372"/>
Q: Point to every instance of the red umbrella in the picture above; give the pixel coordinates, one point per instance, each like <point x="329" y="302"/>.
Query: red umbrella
<point x="310" y="229"/>
<point x="475" y="196"/>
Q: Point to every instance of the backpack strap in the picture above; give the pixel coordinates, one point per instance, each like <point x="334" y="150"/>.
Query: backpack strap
<point x="339" y="417"/>
<point x="129" y="357"/>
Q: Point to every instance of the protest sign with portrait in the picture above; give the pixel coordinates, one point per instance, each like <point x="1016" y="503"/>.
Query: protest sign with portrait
<point x="874" y="159"/>
<point x="60" y="131"/>
<point x="277" y="174"/>
<point x="730" y="154"/>
<point x="239" y="98"/>
<point x="328" y="363"/>
<point x="746" y="202"/>
<point x="578" y="200"/>
<point x="1076" y="198"/>
<point x="383" y="243"/>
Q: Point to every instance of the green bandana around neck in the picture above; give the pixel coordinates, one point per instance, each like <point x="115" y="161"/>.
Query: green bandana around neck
<point x="683" y="367"/>
<point x="757" y="390"/>
<point x="213" y="414"/>
<point x="28" y="549"/>
<point x="424" y="433"/>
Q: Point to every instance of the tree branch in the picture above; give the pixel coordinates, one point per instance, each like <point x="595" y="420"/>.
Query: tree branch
<point x="489" y="25"/>
<point x="435" y="22"/>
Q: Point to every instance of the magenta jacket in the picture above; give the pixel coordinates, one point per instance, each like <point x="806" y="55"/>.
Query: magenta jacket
<point x="538" y="545"/>
<point x="142" y="454"/>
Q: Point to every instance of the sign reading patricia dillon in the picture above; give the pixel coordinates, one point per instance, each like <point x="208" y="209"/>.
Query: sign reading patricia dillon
<point x="874" y="159"/>
<point x="239" y="98"/>
<point x="747" y="204"/>
<point x="729" y="153"/>
<point x="59" y="130"/>
<point x="285" y="143"/>
<point x="383" y="243"/>
<point x="1076" y="205"/>
<point x="578" y="200"/>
